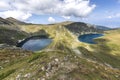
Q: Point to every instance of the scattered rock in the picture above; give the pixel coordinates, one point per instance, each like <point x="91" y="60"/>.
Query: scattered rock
<point x="43" y="68"/>
<point x="7" y="61"/>
<point x="47" y="74"/>
<point x="66" y="58"/>
<point x="18" y="77"/>
<point x="1" y="67"/>
<point x="42" y="79"/>
<point x="75" y="57"/>
<point x="62" y="64"/>
<point x="56" y="60"/>
<point x="27" y="75"/>
<point x="49" y="67"/>
<point x="3" y="46"/>
<point x="117" y="76"/>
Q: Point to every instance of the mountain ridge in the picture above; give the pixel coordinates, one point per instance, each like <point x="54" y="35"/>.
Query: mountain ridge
<point x="15" y="21"/>
<point x="65" y="58"/>
<point x="5" y="22"/>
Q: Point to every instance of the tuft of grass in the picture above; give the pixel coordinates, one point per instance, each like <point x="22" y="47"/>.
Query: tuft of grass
<point x="35" y="56"/>
<point x="4" y="75"/>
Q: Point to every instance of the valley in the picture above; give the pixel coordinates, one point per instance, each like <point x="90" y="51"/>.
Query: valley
<point x="65" y="58"/>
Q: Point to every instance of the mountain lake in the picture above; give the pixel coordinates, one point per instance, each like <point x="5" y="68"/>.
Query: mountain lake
<point x="36" y="44"/>
<point x="89" y="38"/>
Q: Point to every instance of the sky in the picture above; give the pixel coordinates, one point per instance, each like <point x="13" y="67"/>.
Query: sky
<point x="99" y="12"/>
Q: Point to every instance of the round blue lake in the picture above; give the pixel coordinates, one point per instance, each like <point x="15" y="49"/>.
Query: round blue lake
<point x="89" y="38"/>
<point x="36" y="44"/>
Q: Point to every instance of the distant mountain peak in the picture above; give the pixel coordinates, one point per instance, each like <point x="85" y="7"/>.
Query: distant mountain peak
<point x="15" y="21"/>
<point x="11" y="18"/>
<point x="1" y="18"/>
<point x="4" y="21"/>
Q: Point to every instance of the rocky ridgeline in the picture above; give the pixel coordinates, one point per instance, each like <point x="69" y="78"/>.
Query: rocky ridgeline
<point x="79" y="28"/>
<point x="56" y="66"/>
<point x="69" y="67"/>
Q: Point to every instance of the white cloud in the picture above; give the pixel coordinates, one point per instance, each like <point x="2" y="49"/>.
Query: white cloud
<point x="51" y="20"/>
<point x="117" y="15"/>
<point x="66" y="17"/>
<point x="5" y="5"/>
<point x="76" y="8"/>
<point x="109" y="17"/>
<point x="16" y="14"/>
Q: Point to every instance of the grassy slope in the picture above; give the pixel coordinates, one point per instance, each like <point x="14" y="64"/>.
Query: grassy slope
<point x="69" y="66"/>
<point x="10" y="36"/>
<point x="60" y="61"/>
<point x="11" y="55"/>
<point x="107" y="50"/>
<point x="114" y="39"/>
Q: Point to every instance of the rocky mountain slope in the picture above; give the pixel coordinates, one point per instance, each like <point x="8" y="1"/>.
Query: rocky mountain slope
<point x="102" y="27"/>
<point x="10" y="21"/>
<point x="82" y="28"/>
<point x="11" y="37"/>
<point x="65" y="58"/>
<point x="15" y="21"/>
<point x="5" y="22"/>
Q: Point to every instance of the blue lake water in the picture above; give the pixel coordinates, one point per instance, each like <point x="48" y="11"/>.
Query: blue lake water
<point x="36" y="44"/>
<point x="89" y="38"/>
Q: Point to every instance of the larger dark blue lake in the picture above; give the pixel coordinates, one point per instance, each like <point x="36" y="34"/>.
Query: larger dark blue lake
<point x="89" y="38"/>
<point x="36" y="44"/>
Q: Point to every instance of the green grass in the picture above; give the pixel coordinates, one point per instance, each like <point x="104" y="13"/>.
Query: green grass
<point x="11" y="36"/>
<point x="86" y="66"/>
<point x="35" y="56"/>
<point x="82" y="69"/>
<point x="106" y="51"/>
<point x="3" y="75"/>
<point x="12" y="55"/>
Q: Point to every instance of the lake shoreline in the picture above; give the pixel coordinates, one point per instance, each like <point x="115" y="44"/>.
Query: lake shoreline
<point x="89" y="38"/>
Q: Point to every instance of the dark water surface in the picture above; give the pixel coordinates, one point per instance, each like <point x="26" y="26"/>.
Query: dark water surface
<point x="36" y="44"/>
<point x="89" y="38"/>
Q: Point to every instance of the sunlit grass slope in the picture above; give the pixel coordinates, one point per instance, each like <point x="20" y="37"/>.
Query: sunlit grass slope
<point x="65" y="58"/>
<point x="57" y="65"/>
<point x="107" y="50"/>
